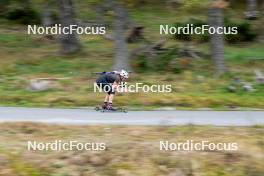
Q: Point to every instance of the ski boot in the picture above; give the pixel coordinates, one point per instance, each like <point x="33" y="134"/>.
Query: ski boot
<point x="110" y="107"/>
<point x="104" y="106"/>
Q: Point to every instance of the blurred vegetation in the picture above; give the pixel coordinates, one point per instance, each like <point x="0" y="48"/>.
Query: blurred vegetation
<point x="144" y="156"/>
<point x="20" y="11"/>
<point x="23" y="57"/>
<point x="24" y="16"/>
<point x="246" y="33"/>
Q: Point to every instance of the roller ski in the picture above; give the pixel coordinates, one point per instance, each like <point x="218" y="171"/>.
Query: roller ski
<point x="109" y="108"/>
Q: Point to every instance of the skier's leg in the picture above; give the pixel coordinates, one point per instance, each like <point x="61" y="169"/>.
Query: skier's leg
<point x="104" y="106"/>
<point x="110" y="98"/>
<point x="110" y="102"/>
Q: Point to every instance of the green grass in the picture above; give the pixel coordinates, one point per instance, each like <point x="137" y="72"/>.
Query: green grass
<point x="245" y="54"/>
<point x="43" y="61"/>
<point x="23" y="57"/>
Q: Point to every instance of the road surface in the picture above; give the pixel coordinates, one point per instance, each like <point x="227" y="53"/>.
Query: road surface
<point x="89" y="116"/>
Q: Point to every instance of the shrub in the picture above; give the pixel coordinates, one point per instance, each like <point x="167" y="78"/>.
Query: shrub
<point x="3" y="7"/>
<point x="161" y="61"/>
<point x="24" y="16"/>
<point x="141" y="64"/>
<point x="245" y="31"/>
<point x="189" y="37"/>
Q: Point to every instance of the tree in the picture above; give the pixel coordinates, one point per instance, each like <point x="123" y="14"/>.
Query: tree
<point x="4" y="6"/>
<point x="251" y="12"/>
<point x="121" y="49"/>
<point x="46" y="17"/>
<point x="70" y="43"/>
<point x="217" y="40"/>
<point x="120" y="24"/>
<point x="261" y="38"/>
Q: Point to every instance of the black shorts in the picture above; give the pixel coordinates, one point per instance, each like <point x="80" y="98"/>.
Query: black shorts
<point x="106" y="87"/>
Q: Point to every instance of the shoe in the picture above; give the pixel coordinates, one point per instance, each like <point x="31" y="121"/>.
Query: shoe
<point x="110" y="107"/>
<point x="104" y="106"/>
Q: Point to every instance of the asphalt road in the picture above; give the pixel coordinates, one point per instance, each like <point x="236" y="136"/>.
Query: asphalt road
<point x="89" y="116"/>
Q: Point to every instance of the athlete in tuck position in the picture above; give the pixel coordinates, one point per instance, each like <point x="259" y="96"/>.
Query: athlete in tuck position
<point x="109" y="81"/>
